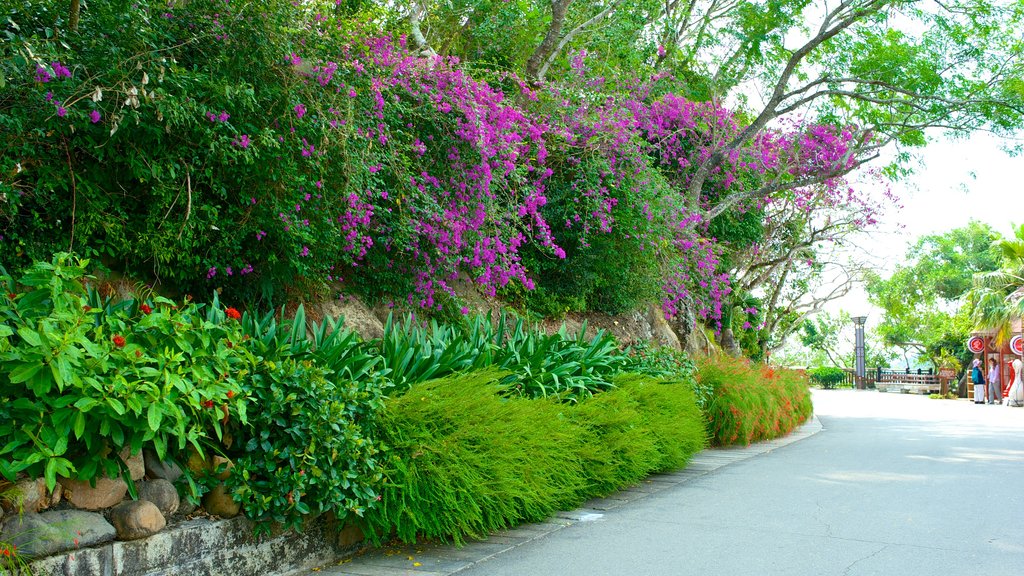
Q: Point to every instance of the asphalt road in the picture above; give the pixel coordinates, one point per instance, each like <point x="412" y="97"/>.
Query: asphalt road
<point x="893" y="485"/>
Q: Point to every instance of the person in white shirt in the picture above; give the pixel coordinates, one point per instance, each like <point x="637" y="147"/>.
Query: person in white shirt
<point x="995" y="388"/>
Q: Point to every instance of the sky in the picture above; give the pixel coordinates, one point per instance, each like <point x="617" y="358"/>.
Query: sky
<point x="954" y="182"/>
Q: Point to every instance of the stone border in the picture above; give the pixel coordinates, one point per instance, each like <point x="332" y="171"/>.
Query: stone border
<point x="444" y="560"/>
<point x="204" y="547"/>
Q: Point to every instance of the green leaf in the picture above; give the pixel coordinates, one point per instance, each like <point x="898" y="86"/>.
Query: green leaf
<point x="30" y="336"/>
<point x="154" y="415"/>
<point x="25" y="372"/>
<point x="116" y="406"/>
<point x="86" y="404"/>
<point x="79" y="425"/>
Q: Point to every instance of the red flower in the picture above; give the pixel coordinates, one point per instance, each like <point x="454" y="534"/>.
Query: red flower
<point x="86" y="308"/>
<point x="145" y="309"/>
<point x="138" y="353"/>
<point x="231" y="394"/>
<point x="11" y="295"/>
<point x="119" y="341"/>
<point x="208" y="404"/>
<point x="232" y="313"/>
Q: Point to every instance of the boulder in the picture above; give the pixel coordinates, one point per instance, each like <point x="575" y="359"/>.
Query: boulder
<point x="224" y="465"/>
<point x="357" y="316"/>
<point x="106" y="493"/>
<point x="53" y="532"/>
<point x="218" y="502"/>
<point x="162" y="469"/>
<point x="161" y="493"/>
<point x="27" y="496"/>
<point x="136" y="464"/>
<point x="136" y="519"/>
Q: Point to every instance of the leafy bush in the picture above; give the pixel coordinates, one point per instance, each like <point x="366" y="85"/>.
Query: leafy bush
<point x="307" y="446"/>
<point x="753" y="403"/>
<point x="827" y="377"/>
<point x="644" y="425"/>
<point x="87" y="376"/>
<point x="464" y="461"/>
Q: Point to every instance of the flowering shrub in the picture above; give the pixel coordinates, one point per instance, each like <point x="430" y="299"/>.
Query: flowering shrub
<point x="88" y="376"/>
<point x="330" y="152"/>
<point x="307" y="446"/>
<point x="753" y="403"/>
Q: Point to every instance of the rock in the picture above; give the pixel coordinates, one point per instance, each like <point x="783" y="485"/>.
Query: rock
<point x="196" y="463"/>
<point x="218" y="462"/>
<point x="157" y="468"/>
<point x="357" y="316"/>
<point x="186" y="506"/>
<point x="161" y="493"/>
<point x="218" y="502"/>
<point x="136" y="519"/>
<point x="27" y="496"/>
<point x="661" y="331"/>
<point x="108" y="492"/>
<point x="55" y="495"/>
<point x="54" y="532"/>
<point x="136" y="464"/>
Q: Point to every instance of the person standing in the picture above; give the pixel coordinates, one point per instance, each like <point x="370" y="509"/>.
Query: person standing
<point x="978" y="379"/>
<point x="995" y="388"/>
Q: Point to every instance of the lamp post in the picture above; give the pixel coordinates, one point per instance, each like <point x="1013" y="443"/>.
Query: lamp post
<point x="859" y="371"/>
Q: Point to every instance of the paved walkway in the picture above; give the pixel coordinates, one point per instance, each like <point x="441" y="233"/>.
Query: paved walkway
<point x="442" y="560"/>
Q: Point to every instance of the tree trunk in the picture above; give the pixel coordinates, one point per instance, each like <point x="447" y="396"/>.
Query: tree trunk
<point x="559" y="8"/>
<point x="76" y="9"/>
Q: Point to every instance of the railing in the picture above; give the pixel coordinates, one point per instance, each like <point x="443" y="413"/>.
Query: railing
<point x="885" y="378"/>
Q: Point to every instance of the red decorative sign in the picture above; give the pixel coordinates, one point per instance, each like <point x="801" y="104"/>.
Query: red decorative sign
<point x="1017" y="345"/>
<point x="976" y="344"/>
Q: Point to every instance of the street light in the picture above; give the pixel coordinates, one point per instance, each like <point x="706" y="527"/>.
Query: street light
<point x="859" y="369"/>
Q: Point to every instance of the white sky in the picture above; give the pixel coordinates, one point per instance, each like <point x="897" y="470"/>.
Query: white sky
<point x="955" y="181"/>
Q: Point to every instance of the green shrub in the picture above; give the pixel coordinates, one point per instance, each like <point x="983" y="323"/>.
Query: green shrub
<point x="307" y="446"/>
<point x="559" y="365"/>
<point x="752" y="403"/>
<point x="644" y="425"/>
<point x="827" y="377"/>
<point x="464" y="461"/>
<point x="87" y="376"/>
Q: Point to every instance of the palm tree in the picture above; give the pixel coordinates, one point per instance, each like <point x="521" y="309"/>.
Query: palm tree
<point x="997" y="298"/>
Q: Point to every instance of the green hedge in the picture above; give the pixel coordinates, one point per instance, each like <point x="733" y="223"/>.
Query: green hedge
<point x="827" y="377"/>
<point x="464" y="461"/>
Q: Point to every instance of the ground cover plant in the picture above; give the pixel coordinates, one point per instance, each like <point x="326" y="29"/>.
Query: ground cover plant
<point x="559" y="365"/>
<point x="465" y="460"/>
<point x="752" y="402"/>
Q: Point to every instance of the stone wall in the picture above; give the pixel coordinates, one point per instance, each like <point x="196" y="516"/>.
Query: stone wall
<point x="203" y="547"/>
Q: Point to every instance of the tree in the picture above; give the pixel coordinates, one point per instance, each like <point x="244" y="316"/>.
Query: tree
<point x="921" y="298"/>
<point x="997" y="299"/>
<point x="799" y="264"/>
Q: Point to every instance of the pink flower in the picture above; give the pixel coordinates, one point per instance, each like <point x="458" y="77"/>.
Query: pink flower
<point x="95" y="116"/>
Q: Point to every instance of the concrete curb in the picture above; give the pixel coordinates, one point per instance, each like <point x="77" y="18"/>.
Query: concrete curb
<point x="444" y="560"/>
